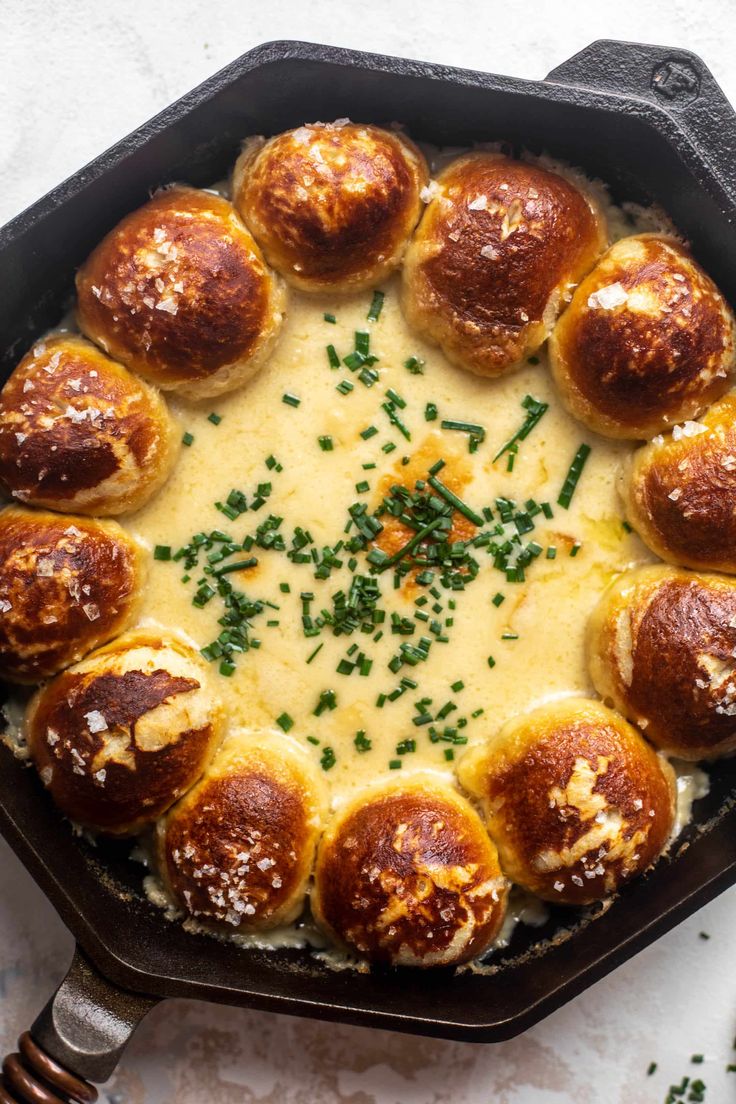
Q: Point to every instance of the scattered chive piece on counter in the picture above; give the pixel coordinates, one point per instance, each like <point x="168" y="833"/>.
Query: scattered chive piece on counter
<point x="703" y="935"/>
<point x="697" y="1059"/>
<point x="535" y="411"/>
<point x="290" y="400"/>
<point x="329" y="317"/>
<point x="573" y="476"/>
<point x="162" y="552"/>
<point x="651" y="1068"/>
<point x="188" y="439"/>
<point x="285" y="722"/>
<point x="214" y="418"/>
<point x="376" y="306"/>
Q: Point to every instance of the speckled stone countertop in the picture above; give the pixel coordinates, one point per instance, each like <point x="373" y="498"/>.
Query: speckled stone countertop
<point x="74" y="77"/>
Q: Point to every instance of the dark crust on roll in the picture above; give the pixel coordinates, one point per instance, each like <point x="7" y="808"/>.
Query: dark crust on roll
<point x="67" y="584"/>
<point x="108" y="779"/>
<point x="68" y="414"/>
<point x="690" y="706"/>
<point x="681" y="495"/>
<point x="215" y="840"/>
<point x="399" y="874"/>
<point x="621" y="768"/>
<point x="212" y="304"/>
<point x="636" y="370"/>
<point x="488" y="311"/>
<point x="342" y="218"/>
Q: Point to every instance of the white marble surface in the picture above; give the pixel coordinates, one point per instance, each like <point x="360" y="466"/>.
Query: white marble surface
<point x="75" y="76"/>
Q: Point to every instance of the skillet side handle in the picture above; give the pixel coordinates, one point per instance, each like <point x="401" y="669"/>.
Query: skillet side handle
<point x="677" y="81"/>
<point x="78" y="1037"/>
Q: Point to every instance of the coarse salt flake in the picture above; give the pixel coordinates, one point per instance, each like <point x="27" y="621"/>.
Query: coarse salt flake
<point x="95" y="721"/>
<point x="609" y="297"/>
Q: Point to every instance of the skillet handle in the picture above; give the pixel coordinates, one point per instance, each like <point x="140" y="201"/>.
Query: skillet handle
<point x="677" y="81"/>
<point x="80" y="1035"/>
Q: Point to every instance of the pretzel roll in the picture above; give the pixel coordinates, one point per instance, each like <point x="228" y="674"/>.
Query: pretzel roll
<point x="119" y="737"/>
<point x="647" y="341"/>
<point x="238" y="849"/>
<point x="81" y="434"/>
<point x="576" y="800"/>
<point x="67" y="584"/>
<point x="406" y="874"/>
<point x="179" y="292"/>
<point x="332" y="205"/>
<point x="497" y="252"/>
<point x="661" y="647"/>
<point x="679" y="491"/>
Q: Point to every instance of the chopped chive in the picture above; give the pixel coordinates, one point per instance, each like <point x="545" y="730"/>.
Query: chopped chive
<point x="376" y="306"/>
<point x="394" y="764"/>
<point x="363" y="487"/>
<point x="344" y="387"/>
<point x="575" y="548"/>
<point x="368" y="432"/>
<point x="329" y="317"/>
<point x="477" y="431"/>
<point x="333" y="357"/>
<point x="227" y="668"/>
<point x="452" y="498"/>
<point x="457" y="686"/>
<point x="394" y="418"/>
<point x="449" y="754"/>
<point x="285" y="722"/>
<point x="162" y="552"/>
<point x="240" y="565"/>
<point x="498" y="599"/>
<point x="284" y="588"/>
<point x="430" y="412"/>
<point x="626" y="527"/>
<point x="361" y="741"/>
<point x="327" y="759"/>
<point x="316" y="650"/>
<point x="509" y="636"/>
<point x="651" y="1068"/>
<point x="290" y="400"/>
<point x="188" y="439"/>
<point x="535" y="411"/>
<point x="573" y="476"/>
<point x="703" y="935"/>
<point x="551" y="552"/>
<point x="326" y="443"/>
<point x="415" y="365"/>
<point x="214" y="418"/>
<point x="491" y="661"/>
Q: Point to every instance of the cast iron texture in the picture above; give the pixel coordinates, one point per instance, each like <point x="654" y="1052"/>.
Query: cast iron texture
<point x="653" y="123"/>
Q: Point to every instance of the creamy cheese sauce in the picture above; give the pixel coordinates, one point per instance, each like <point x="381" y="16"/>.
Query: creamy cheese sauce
<point x="547" y="612"/>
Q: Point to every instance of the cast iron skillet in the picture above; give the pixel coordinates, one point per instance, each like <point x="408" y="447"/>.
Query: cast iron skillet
<point x="653" y="123"/>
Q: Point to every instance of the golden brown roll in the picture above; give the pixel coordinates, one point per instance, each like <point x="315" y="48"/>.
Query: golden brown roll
<point x="662" y="649"/>
<point x="119" y="737"/>
<point x="67" y="584"/>
<point x="406" y="874"/>
<point x="576" y="800"/>
<point x="238" y="849"/>
<point x="332" y="205"/>
<point x="179" y="292"/>
<point x="81" y="434"/>
<point x="497" y="252"/>
<point x="647" y="341"/>
<point x="679" y="491"/>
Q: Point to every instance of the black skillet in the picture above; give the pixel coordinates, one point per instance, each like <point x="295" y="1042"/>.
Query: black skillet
<point x="653" y="123"/>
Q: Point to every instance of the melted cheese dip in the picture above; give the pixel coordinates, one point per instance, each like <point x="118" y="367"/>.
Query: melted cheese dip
<point x="534" y="637"/>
